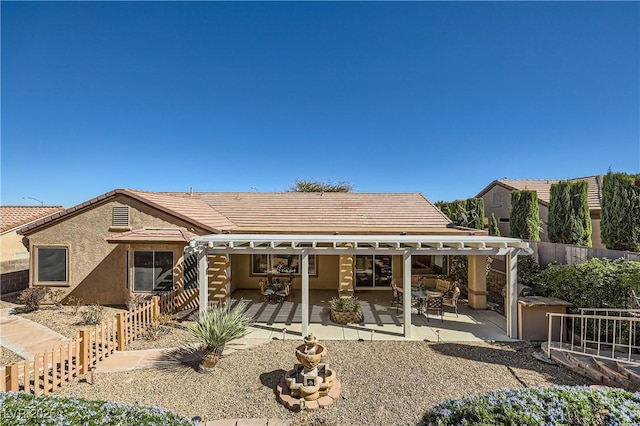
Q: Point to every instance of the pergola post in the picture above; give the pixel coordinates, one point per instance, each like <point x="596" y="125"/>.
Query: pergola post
<point x="511" y="308"/>
<point x="203" y="281"/>
<point x="406" y="293"/>
<point x="305" y="292"/>
<point x="477" y="281"/>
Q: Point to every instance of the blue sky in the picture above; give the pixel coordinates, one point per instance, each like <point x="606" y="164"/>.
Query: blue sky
<point x="433" y="97"/>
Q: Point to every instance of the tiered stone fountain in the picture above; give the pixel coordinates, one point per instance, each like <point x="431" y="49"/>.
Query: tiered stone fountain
<point x="311" y="384"/>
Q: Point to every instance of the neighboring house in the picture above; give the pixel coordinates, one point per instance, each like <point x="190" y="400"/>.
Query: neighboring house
<point x="14" y="256"/>
<point x="497" y="201"/>
<point x="129" y="242"/>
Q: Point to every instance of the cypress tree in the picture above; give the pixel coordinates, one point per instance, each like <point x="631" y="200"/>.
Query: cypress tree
<point x="569" y="217"/>
<point x="620" y="220"/>
<point x="525" y="215"/>
<point x="475" y="213"/>
<point x="494" y="229"/>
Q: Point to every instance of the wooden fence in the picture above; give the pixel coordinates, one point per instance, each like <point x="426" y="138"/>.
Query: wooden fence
<point x="61" y="363"/>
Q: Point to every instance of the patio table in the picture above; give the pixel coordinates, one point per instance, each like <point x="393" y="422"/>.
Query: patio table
<point x="422" y="295"/>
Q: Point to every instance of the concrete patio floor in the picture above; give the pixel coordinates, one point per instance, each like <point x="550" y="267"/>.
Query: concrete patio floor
<point x="381" y="322"/>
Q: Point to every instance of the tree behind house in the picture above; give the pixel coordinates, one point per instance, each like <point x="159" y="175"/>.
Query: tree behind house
<point x="620" y="222"/>
<point x="494" y="229"/>
<point x="569" y="217"/>
<point x="525" y="215"/>
<point x="475" y="213"/>
<point x="316" y="186"/>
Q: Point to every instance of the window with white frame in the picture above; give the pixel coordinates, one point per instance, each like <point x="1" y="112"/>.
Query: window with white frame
<point x="284" y="264"/>
<point x="152" y="271"/>
<point x="52" y="265"/>
<point x="374" y="270"/>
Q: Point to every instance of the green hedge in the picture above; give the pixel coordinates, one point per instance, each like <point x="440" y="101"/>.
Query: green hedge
<point x="45" y="410"/>
<point x="556" y="405"/>
<point x="597" y="283"/>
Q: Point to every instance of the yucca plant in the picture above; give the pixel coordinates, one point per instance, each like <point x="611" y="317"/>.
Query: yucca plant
<point x="217" y="327"/>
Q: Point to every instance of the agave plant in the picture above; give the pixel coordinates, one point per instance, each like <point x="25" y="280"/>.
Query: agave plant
<point x="217" y="327"/>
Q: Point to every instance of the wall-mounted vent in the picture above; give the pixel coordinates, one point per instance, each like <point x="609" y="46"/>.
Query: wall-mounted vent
<point x="120" y="217"/>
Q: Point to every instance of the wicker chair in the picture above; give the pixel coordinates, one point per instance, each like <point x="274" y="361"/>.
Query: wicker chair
<point x="267" y="293"/>
<point x="284" y="293"/>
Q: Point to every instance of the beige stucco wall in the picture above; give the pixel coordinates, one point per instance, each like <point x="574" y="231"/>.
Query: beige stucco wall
<point x="11" y="245"/>
<point x="595" y="234"/>
<point x="497" y="201"/>
<point x="97" y="269"/>
<point x="326" y="279"/>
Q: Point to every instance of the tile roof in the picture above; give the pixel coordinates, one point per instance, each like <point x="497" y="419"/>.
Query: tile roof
<point x="153" y="235"/>
<point x="12" y="217"/>
<point x="253" y="211"/>
<point x="245" y="212"/>
<point x="543" y="188"/>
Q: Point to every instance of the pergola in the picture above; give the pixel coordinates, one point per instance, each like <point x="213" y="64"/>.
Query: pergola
<point x="475" y="246"/>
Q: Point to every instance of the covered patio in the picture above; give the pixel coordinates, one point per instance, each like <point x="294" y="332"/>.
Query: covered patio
<point x="382" y="319"/>
<point x="214" y="274"/>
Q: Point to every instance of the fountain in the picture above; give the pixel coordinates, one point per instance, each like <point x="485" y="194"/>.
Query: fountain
<point x="311" y="384"/>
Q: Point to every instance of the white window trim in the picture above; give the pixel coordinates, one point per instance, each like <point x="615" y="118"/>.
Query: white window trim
<point x="270" y="266"/>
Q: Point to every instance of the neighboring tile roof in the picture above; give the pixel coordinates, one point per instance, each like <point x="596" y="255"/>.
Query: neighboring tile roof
<point x="543" y="188"/>
<point x="153" y="235"/>
<point x="12" y="217"/>
<point x="288" y="211"/>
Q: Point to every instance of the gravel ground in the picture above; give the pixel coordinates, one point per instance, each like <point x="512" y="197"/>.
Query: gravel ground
<point x="167" y="337"/>
<point x="383" y="382"/>
<point x="8" y="357"/>
<point x="64" y="320"/>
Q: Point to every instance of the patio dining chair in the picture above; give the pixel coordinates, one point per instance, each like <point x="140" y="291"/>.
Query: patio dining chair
<point x="400" y="299"/>
<point x="452" y="301"/>
<point x="267" y="293"/>
<point x="284" y="293"/>
<point x="434" y="304"/>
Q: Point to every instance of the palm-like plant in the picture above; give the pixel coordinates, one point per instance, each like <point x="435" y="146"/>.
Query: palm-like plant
<point x="217" y="327"/>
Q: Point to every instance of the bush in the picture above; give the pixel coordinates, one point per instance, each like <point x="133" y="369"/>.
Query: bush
<point x="219" y="326"/>
<point x="569" y="217"/>
<point x="26" y="409"/>
<point x="344" y="304"/>
<point x="556" y="405"/>
<point x="32" y="297"/>
<point x="93" y="315"/>
<point x="620" y="223"/>
<point x="597" y="283"/>
<point x="524" y="221"/>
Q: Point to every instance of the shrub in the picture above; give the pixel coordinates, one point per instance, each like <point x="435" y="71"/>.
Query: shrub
<point x="345" y="304"/>
<point x="597" y="283"/>
<point x="620" y="223"/>
<point x="524" y="221"/>
<point x="159" y="327"/>
<point x="92" y="315"/>
<point x="32" y="297"/>
<point x="76" y="303"/>
<point x="25" y="409"/>
<point x="136" y="301"/>
<point x="556" y="405"/>
<point x="218" y="326"/>
<point x="569" y="217"/>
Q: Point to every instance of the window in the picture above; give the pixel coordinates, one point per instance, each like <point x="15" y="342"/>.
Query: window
<point x="120" y="217"/>
<point x="374" y="271"/>
<point x="190" y="273"/>
<point x="52" y="266"/>
<point x="422" y="264"/>
<point x="284" y="264"/>
<point x="503" y="219"/>
<point x="496" y="200"/>
<point x="152" y="271"/>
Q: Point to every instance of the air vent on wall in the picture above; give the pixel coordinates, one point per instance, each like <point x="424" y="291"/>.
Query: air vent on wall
<point x="120" y="217"/>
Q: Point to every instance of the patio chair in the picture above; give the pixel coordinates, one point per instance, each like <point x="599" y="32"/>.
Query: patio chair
<point x="452" y="301"/>
<point x="434" y="304"/>
<point x="400" y="299"/>
<point x="267" y="293"/>
<point x="284" y="293"/>
<point x="395" y="294"/>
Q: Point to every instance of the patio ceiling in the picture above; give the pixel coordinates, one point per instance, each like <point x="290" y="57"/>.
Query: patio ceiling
<point x="359" y="244"/>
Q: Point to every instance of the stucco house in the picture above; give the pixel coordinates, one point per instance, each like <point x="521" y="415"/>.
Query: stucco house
<point x="497" y="201"/>
<point x="129" y="242"/>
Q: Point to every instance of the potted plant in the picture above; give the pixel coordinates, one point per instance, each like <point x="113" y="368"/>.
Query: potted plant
<point x="217" y="327"/>
<point x="346" y="310"/>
